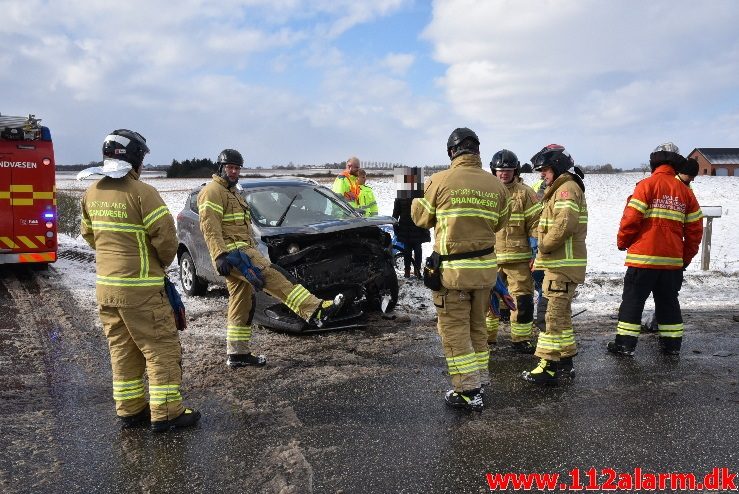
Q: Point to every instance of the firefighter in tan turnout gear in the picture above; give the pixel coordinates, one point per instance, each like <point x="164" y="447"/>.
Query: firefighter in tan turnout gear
<point x="466" y="206"/>
<point x="225" y="221"/>
<point x="513" y="248"/>
<point x="563" y="226"/>
<point x="133" y="234"/>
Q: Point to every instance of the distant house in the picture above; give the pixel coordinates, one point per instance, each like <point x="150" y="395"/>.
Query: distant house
<point x="720" y="162"/>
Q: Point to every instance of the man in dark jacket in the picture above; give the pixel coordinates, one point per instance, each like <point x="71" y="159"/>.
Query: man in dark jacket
<point x="409" y="184"/>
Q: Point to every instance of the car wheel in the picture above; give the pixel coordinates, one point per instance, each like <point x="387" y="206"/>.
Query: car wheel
<point x="389" y="286"/>
<point x="191" y="283"/>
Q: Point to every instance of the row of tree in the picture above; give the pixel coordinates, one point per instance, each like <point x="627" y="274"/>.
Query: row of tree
<point x="205" y="167"/>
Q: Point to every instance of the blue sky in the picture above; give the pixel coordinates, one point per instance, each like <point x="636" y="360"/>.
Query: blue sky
<point x="311" y="82"/>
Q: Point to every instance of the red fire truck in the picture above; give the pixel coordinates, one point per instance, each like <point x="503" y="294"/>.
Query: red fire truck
<point x="28" y="221"/>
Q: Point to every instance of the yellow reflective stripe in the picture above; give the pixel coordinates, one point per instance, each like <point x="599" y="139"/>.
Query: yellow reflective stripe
<point x="86" y="222"/>
<point x="118" y="281"/>
<point x="568" y="248"/>
<point x="464" y="364"/>
<point x="143" y="255"/>
<point x="43" y="195"/>
<point x="533" y="210"/>
<point x="296" y="297"/>
<point x="26" y="241"/>
<point x="521" y="328"/>
<point x="668" y="214"/>
<point x="671" y="330"/>
<point x="9" y="242"/>
<point x="233" y="217"/>
<point x="150" y="218"/>
<point x="427" y="206"/>
<point x="559" y="263"/>
<point x="567" y="204"/>
<point x="654" y="260"/>
<point x="567" y="338"/>
<point x="583" y="218"/>
<point x="516" y="216"/>
<point x="628" y="329"/>
<point x="164" y="393"/>
<point x="694" y="216"/>
<point x="507" y="207"/>
<point x="113" y="226"/>
<point x="548" y="342"/>
<point x="21" y="188"/>
<point x="467" y="212"/>
<point x="238" y="333"/>
<point x="546" y="222"/>
<point x="482" y="360"/>
<point x="470" y="264"/>
<point x="4" y="195"/>
<point x="492" y="323"/>
<point x="443" y="233"/>
<point x="128" y="390"/>
<point x="504" y="257"/>
<point x="637" y="204"/>
<point x="210" y="205"/>
<point x="22" y="202"/>
<point x="236" y="245"/>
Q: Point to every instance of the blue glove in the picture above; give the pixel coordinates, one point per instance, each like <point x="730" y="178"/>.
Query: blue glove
<point x="243" y="263"/>
<point x="178" y="308"/>
<point x="534" y="244"/>
<point x="500" y="292"/>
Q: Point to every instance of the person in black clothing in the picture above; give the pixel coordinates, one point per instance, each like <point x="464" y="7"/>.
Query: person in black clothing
<point x="409" y="185"/>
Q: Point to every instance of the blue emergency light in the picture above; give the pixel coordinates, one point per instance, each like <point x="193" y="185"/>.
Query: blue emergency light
<point x="49" y="216"/>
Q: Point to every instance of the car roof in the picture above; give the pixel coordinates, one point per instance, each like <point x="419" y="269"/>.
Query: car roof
<point x="248" y="183"/>
<point x="251" y="183"/>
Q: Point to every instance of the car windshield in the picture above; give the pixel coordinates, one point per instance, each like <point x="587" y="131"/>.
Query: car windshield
<point x="294" y="205"/>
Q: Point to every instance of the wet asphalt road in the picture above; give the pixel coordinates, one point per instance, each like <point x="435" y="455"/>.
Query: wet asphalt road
<point x="382" y="433"/>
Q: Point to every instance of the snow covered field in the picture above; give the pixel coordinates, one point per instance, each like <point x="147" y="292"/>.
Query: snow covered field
<point x="601" y="293"/>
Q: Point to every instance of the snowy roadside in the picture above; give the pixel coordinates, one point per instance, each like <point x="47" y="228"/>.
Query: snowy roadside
<point x="600" y="294"/>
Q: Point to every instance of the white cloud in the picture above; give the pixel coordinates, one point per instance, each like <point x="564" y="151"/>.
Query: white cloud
<point x="586" y="69"/>
<point x="399" y="63"/>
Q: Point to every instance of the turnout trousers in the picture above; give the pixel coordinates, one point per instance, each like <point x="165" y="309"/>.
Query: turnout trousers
<point x="461" y="325"/>
<point x="517" y="277"/>
<point x="558" y="340"/>
<point x="241" y="300"/>
<point x="665" y="286"/>
<point x="144" y="339"/>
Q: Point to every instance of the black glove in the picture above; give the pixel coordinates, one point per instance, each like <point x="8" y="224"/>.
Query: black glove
<point x="222" y="265"/>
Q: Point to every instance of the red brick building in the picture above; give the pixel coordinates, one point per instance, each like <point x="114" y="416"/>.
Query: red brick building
<point x="720" y="162"/>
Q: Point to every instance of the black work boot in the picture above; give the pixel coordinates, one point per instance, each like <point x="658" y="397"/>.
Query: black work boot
<point x="468" y="400"/>
<point x="141" y="418"/>
<point x="624" y="345"/>
<point x="245" y="359"/>
<point x="566" y="368"/>
<point x="670" y="346"/>
<point x="188" y="418"/>
<point x="328" y="310"/>
<point x="544" y="374"/>
<point x="524" y="347"/>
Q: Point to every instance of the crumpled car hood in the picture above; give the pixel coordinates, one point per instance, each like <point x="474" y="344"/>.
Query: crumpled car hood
<point x="326" y="227"/>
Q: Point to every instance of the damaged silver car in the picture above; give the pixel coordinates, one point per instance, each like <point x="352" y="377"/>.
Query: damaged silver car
<point x="314" y="238"/>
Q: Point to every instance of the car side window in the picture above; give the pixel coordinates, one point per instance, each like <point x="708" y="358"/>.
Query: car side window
<point x="194" y="202"/>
